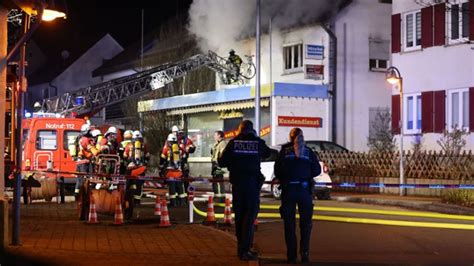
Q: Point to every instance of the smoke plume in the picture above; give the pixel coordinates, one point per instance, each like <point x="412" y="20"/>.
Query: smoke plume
<point x="218" y="24"/>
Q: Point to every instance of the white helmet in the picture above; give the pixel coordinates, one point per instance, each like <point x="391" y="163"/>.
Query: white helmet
<point x="175" y="128"/>
<point x="95" y="133"/>
<point x="111" y="130"/>
<point x="37" y="105"/>
<point x="128" y="134"/>
<point x="137" y="135"/>
<point x="86" y="127"/>
<point x="172" y="138"/>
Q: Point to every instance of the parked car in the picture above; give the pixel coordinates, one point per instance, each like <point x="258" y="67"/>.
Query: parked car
<point x="321" y="192"/>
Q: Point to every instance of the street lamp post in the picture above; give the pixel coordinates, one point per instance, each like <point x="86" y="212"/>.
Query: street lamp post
<point x="394" y="77"/>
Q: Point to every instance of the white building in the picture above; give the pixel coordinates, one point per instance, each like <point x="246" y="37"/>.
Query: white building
<point x="301" y="82"/>
<point x="432" y="46"/>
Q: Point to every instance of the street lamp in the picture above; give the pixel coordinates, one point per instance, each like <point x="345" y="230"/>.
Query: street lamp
<point x="393" y="76"/>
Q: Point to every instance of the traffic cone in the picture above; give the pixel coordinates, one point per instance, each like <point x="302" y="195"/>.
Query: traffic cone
<point x="92" y="212"/>
<point x="118" y="218"/>
<point x="158" y="206"/>
<point x="211" y="218"/>
<point x="165" y="218"/>
<point x="227" y="213"/>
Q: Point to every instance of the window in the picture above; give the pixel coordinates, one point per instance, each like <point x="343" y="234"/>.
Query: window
<point x="378" y="65"/>
<point x="70" y="138"/>
<point x="46" y="140"/>
<point x="412" y="27"/>
<point x="293" y="57"/>
<point x="412" y="113"/>
<point x="458" y="24"/>
<point x="458" y="109"/>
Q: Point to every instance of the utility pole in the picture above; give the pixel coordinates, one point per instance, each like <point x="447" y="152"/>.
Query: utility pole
<point x="3" y="94"/>
<point x="257" y="79"/>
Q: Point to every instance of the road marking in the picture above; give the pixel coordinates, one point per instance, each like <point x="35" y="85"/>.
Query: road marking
<point x="372" y="211"/>
<point x="362" y="220"/>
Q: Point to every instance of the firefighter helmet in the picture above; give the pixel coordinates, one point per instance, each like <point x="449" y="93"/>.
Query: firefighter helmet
<point x="111" y="130"/>
<point x="137" y="134"/>
<point x="175" y="128"/>
<point x="128" y="134"/>
<point x="232" y="51"/>
<point x="85" y="128"/>
<point x="95" y="133"/>
<point x="37" y="105"/>
<point x="172" y="138"/>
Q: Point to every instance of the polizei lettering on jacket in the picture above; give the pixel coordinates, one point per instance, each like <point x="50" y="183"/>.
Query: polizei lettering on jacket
<point x="246" y="146"/>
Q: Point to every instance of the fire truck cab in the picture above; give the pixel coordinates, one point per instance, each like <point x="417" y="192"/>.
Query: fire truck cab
<point x="46" y="140"/>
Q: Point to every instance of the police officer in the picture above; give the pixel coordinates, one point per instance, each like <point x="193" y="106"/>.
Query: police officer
<point x="216" y="171"/>
<point x="242" y="157"/>
<point x="295" y="167"/>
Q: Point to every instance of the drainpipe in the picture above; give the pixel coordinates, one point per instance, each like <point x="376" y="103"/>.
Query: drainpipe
<point x="332" y="75"/>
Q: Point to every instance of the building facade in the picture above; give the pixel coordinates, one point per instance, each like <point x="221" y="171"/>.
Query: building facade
<point x="433" y="48"/>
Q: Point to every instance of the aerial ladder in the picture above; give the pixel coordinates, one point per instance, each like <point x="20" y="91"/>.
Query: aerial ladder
<point x="87" y="101"/>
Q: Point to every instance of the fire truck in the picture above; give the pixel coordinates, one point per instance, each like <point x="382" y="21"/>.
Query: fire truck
<point x="48" y="134"/>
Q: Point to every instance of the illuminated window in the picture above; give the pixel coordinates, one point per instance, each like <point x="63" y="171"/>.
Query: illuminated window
<point x="412" y="113"/>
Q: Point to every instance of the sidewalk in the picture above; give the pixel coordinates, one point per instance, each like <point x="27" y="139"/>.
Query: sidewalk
<point x="432" y="204"/>
<point x="51" y="234"/>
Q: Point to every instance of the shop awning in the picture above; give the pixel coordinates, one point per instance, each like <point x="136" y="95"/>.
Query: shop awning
<point x="264" y="102"/>
<point x="232" y="98"/>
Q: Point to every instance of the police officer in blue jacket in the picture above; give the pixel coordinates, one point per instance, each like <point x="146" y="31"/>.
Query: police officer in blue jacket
<point x="242" y="157"/>
<point x="295" y="168"/>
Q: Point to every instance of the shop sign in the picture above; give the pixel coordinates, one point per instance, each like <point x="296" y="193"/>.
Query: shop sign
<point x="297" y="121"/>
<point x="233" y="133"/>
<point x="314" y="72"/>
<point x="314" y="51"/>
<point x="230" y="115"/>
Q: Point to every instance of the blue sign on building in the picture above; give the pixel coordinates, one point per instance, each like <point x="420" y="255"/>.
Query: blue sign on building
<point x="314" y="51"/>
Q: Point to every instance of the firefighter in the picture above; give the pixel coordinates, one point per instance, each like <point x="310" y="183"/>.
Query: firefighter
<point x="242" y="157"/>
<point x="111" y="140"/>
<point x="216" y="171"/>
<point x="187" y="147"/>
<point x="234" y="62"/>
<point x="170" y="162"/>
<point x="135" y="152"/>
<point x="127" y="139"/>
<point x="83" y="153"/>
<point x="295" y="168"/>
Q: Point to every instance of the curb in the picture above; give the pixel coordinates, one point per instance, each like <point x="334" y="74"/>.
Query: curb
<point x="425" y="206"/>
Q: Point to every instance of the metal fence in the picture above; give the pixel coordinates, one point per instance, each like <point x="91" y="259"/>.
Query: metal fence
<point x="424" y="164"/>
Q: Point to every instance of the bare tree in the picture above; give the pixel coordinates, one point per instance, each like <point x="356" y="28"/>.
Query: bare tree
<point x="381" y="137"/>
<point x="453" y="141"/>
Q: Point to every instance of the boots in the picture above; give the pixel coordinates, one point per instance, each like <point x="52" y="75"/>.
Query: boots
<point x="183" y="202"/>
<point x="173" y="202"/>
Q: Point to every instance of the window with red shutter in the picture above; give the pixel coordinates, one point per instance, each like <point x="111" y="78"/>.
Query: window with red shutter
<point x="439" y="111"/>
<point x="471" y="109"/>
<point x="396" y="24"/>
<point x="396" y="114"/>
<point x="439" y="24"/>
<point x="427" y="27"/>
<point x="471" y="19"/>
<point x="427" y="112"/>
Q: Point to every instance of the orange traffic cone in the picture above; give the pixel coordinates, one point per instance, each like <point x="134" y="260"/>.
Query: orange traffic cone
<point x="227" y="213"/>
<point x="118" y="218"/>
<point x="211" y="218"/>
<point x="158" y="206"/>
<point x="165" y="218"/>
<point x="92" y="212"/>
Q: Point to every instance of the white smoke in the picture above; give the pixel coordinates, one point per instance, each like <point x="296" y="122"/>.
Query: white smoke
<point x="219" y="24"/>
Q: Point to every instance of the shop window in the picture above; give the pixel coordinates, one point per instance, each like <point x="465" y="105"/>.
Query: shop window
<point x="458" y="23"/>
<point x="293" y="58"/>
<point x="412" y="113"/>
<point x="458" y="109"/>
<point x="46" y="140"/>
<point x="412" y="27"/>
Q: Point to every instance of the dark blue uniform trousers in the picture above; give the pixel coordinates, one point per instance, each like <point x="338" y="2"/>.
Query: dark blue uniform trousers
<point x="246" y="204"/>
<point x="292" y="195"/>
